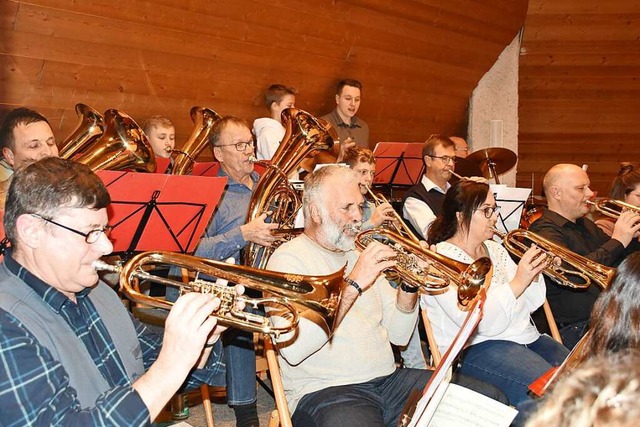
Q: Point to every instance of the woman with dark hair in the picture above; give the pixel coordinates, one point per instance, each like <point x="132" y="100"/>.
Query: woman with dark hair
<point x="626" y="188"/>
<point x="506" y="350"/>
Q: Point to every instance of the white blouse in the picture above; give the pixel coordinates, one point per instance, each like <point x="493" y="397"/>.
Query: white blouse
<point x="505" y="317"/>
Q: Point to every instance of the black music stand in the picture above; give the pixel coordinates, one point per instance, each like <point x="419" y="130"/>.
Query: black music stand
<point x="158" y="211"/>
<point x="398" y="164"/>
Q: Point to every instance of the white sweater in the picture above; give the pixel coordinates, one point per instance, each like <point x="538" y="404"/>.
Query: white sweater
<point x="505" y="317"/>
<point x="360" y="348"/>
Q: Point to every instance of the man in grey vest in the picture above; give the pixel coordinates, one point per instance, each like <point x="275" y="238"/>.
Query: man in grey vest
<point x="70" y="352"/>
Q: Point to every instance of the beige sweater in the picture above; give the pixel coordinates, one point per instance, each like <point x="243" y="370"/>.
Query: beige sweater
<point x="360" y="347"/>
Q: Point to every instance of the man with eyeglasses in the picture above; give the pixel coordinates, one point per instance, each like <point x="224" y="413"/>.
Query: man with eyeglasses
<point x="71" y="354"/>
<point x="423" y="202"/>
<point x="226" y="235"/>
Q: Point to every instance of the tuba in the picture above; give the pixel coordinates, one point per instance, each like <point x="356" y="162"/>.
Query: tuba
<point x="203" y="119"/>
<point x="431" y="271"/>
<point x="91" y="126"/>
<point x="581" y="268"/>
<point x="122" y="146"/>
<point x="317" y="297"/>
<point x="304" y="135"/>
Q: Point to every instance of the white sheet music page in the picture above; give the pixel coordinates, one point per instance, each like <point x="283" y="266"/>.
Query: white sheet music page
<point x="511" y="202"/>
<point x="461" y="407"/>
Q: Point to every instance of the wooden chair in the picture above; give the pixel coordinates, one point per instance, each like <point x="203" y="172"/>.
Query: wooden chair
<point x="280" y="416"/>
<point x="436" y="356"/>
<point x="551" y="321"/>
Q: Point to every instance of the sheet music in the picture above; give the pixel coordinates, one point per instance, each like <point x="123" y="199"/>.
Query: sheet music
<point x="461" y="407"/>
<point x="511" y="201"/>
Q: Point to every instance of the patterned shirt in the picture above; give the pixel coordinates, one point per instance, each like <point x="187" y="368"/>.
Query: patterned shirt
<point x="34" y="387"/>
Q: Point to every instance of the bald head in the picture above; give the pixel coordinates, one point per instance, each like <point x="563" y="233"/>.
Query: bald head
<point x="566" y="187"/>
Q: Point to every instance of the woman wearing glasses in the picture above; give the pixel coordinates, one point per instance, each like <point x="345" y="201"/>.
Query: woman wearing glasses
<point x="506" y="349"/>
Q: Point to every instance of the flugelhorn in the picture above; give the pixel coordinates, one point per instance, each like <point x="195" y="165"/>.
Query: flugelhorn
<point x="399" y="226"/>
<point x="612" y="207"/>
<point x="428" y="270"/>
<point x="317" y="296"/>
<point x="582" y="268"/>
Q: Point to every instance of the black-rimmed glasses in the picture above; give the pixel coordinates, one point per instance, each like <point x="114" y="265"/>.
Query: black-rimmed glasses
<point x="445" y="159"/>
<point x="240" y="146"/>
<point x="489" y="211"/>
<point x="90" y="237"/>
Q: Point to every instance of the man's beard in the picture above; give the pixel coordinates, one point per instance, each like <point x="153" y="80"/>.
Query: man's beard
<point x="340" y="238"/>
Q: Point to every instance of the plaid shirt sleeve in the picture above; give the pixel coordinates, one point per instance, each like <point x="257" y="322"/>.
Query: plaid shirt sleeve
<point x="35" y="390"/>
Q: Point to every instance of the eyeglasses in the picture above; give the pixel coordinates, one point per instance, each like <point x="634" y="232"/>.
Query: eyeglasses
<point x="240" y="146"/>
<point x="489" y="211"/>
<point x="445" y="159"/>
<point x="91" y="237"/>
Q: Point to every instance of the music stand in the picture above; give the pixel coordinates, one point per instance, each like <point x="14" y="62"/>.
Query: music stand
<point x="154" y="212"/>
<point x="398" y="164"/>
<point x="205" y="169"/>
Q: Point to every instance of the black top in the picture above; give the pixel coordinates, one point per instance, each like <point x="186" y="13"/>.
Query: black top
<point x="433" y="198"/>
<point x="585" y="238"/>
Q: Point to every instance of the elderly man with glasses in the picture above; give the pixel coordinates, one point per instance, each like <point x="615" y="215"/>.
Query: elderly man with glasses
<point x="423" y="202"/>
<point x="227" y="234"/>
<point x="71" y="353"/>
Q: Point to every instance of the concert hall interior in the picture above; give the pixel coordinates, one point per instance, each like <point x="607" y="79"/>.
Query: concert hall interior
<point x="428" y="209"/>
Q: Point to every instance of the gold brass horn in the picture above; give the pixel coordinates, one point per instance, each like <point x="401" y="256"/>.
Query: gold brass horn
<point x="580" y="267"/>
<point x="317" y="296"/>
<point x="91" y="126"/>
<point x="203" y="119"/>
<point x="428" y="270"/>
<point x="399" y="227"/>
<point x="122" y="146"/>
<point x="304" y="134"/>
<point x="612" y="207"/>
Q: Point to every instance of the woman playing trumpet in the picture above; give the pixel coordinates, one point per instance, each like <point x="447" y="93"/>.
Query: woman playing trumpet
<point x="507" y="350"/>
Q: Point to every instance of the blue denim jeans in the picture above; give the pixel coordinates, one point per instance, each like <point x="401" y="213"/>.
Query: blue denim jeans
<point x="511" y="366"/>
<point x="375" y="403"/>
<point x="573" y="332"/>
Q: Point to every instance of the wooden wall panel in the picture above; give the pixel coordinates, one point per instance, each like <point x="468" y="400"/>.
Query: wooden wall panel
<point x="418" y="60"/>
<point x="579" y="88"/>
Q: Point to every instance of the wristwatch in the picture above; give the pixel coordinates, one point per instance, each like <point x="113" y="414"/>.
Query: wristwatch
<point x="353" y="283"/>
<point x="408" y="289"/>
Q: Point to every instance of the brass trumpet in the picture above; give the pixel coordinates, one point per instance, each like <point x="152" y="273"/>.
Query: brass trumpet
<point x="317" y="296"/>
<point x="612" y="207"/>
<point x="583" y="268"/>
<point x="428" y="270"/>
<point x="401" y="227"/>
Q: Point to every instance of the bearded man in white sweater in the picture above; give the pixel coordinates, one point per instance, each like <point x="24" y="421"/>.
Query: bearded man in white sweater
<point x="350" y="378"/>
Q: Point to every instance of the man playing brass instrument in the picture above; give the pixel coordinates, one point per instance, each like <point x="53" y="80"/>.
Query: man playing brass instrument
<point x="423" y="201"/>
<point x="71" y="353"/>
<point x="566" y="187"/>
<point x="350" y="379"/>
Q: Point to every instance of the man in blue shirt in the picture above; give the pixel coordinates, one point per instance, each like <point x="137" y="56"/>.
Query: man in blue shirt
<point x="226" y="235"/>
<point x="71" y="354"/>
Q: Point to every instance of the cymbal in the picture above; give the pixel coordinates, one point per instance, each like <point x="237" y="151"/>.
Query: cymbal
<point x="466" y="167"/>
<point x="502" y="159"/>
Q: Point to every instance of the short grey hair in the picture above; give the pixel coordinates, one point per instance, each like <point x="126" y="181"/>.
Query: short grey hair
<point x="314" y="187"/>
